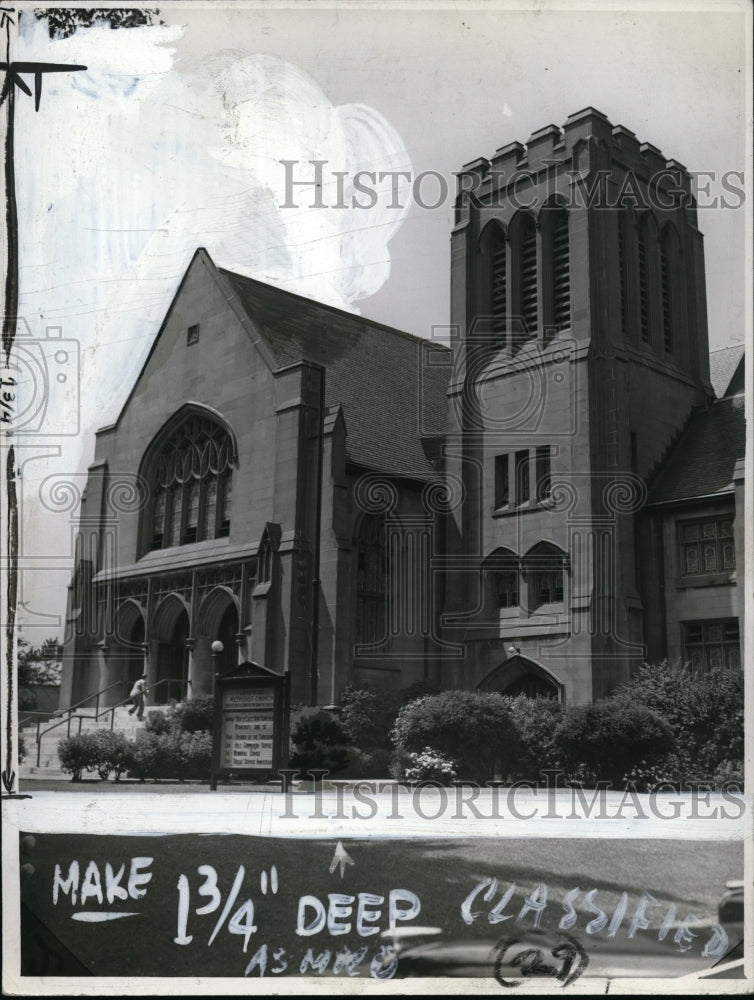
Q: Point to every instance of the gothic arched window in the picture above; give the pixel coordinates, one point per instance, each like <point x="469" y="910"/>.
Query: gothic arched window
<point x="189" y="475"/>
<point x="502" y="573"/>
<point x="544" y="568"/>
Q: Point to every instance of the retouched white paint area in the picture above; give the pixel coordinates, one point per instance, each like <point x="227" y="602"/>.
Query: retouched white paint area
<point x="397" y="814"/>
<point x="157" y="159"/>
<point x="153" y="158"/>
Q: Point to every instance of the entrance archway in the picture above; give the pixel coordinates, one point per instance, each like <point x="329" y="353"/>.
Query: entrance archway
<point x="125" y="656"/>
<point x="226" y="633"/>
<point x="520" y="675"/>
<point x="134" y="665"/>
<point x="172" y="663"/>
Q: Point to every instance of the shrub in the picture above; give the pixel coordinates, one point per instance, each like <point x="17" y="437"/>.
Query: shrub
<point x="112" y="753"/>
<point x="430" y="766"/>
<point x="419" y="689"/>
<point x="705" y="711"/>
<point x="367" y="717"/>
<point x="535" y="720"/>
<point x="145" y="754"/>
<point x="320" y="743"/>
<point x="367" y="763"/>
<point x="193" y="752"/>
<point x="473" y="728"/>
<point x="78" y="754"/>
<point x="612" y="736"/>
<point x="157" y="722"/>
<point x="194" y="716"/>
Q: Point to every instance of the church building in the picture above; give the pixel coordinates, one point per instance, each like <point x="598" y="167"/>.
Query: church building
<point x="535" y="509"/>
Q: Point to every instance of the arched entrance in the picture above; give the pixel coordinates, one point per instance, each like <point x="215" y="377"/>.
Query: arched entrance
<point x="520" y="675"/>
<point x="172" y="663"/>
<point x="125" y="657"/>
<point x="134" y="665"/>
<point x="226" y="633"/>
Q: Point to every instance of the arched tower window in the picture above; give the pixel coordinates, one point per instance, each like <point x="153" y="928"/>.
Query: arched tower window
<point x="623" y="257"/>
<point x="643" y="251"/>
<point x="525" y="303"/>
<point x="371" y="580"/>
<point x="669" y="279"/>
<point x="560" y="268"/>
<point x="189" y="475"/>
<point x="498" y="280"/>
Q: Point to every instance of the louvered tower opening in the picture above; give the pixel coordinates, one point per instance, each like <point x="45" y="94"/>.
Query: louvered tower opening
<point x="561" y="272"/>
<point x="643" y="253"/>
<point x="667" y="297"/>
<point x="623" y="272"/>
<point x="498" y="285"/>
<point x="529" y="277"/>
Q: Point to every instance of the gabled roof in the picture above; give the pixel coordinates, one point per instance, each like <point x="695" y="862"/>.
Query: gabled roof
<point x="379" y="376"/>
<point x="702" y="461"/>
<point x="724" y="365"/>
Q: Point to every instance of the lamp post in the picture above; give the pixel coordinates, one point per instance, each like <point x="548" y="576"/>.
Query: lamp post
<point x="217" y="649"/>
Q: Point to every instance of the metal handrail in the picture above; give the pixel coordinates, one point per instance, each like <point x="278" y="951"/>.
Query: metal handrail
<point x="71" y="709"/>
<point x="97" y="715"/>
<point x="111" y="708"/>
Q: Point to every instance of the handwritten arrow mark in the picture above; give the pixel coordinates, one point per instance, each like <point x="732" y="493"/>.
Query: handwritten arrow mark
<point x="342" y="858"/>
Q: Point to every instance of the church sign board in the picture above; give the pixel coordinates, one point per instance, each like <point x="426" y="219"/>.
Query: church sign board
<point x="250" y="739"/>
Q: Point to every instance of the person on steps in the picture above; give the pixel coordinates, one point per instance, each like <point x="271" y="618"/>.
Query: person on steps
<point x="138" y="696"/>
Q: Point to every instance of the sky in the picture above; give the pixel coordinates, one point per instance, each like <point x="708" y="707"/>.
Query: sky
<point x="173" y="138"/>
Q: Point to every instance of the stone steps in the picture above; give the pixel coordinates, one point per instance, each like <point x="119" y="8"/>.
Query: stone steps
<point x="83" y="721"/>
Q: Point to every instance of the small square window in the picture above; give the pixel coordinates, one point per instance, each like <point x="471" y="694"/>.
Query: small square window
<point x="193" y="334"/>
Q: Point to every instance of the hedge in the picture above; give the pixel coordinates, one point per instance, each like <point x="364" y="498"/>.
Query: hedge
<point x="473" y="729"/>
<point x="176" y="744"/>
<point x="611" y="737"/>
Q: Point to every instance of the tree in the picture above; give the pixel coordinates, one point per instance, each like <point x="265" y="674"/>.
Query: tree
<point x="36" y="666"/>
<point x="63" y="22"/>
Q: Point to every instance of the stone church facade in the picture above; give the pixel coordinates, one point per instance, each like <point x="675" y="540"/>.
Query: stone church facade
<point x="340" y="500"/>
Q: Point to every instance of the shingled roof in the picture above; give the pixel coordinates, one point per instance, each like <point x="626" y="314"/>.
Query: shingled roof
<point x="390" y="395"/>
<point x="702" y="461"/>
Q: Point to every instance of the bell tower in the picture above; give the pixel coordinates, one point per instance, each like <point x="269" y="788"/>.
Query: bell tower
<point x="580" y="347"/>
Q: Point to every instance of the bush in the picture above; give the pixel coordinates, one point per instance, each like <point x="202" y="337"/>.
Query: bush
<point x="78" y="754"/>
<point x="157" y="722"/>
<point x="705" y="712"/>
<point x="419" y="689"/>
<point x="367" y="763"/>
<point x="194" y="716"/>
<point x="430" y="766"/>
<point x="112" y="753"/>
<point x="193" y="751"/>
<point x="611" y="737"/>
<point x="367" y="717"/>
<point x="536" y="720"/>
<point x="473" y="728"/>
<point x="171" y="755"/>
<point x="320" y="743"/>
